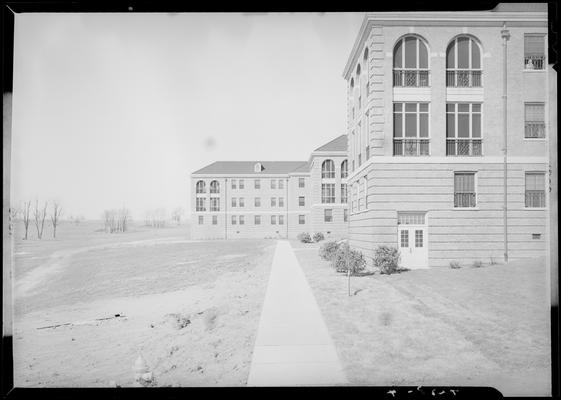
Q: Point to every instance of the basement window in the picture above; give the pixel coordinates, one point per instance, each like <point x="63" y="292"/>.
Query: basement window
<point x="536" y="235"/>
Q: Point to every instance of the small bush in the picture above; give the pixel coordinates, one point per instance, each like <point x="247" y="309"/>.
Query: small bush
<point x="454" y="265"/>
<point x="318" y="236"/>
<point x="386" y="258"/>
<point x="345" y="257"/>
<point x="304" y="237"/>
<point x="328" y="250"/>
<point x="477" y="264"/>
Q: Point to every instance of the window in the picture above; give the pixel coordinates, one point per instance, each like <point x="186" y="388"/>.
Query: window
<point x="241" y="184"/>
<point x="281" y="219"/>
<point x="534" y="120"/>
<point x="301" y="182"/>
<point x="328" y="169"/>
<point x="328" y="215"/>
<point x="214" y="220"/>
<point x="273" y="201"/>
<point x="241" y="218"/>
<point x="257" y="220"/>
<point x="301" y="201"/>
<point x="214" y="204"/>
<point x="463" y="129"/>
<point x="411" y="129"/>
<point x="257" y="184"/>
<point x="404" y="238"/>
<point x="328" y="193"/>
<point x="536" y="235"/>
<point x="464" y="189"/>
<point x="257" y="167"/>
<point x="233" y="183"/>
<point x="534" y="51"/>
<point x="354" y="197"/>
<point x="233" y="202"/>
<point x="410" y="63"/>
<point x="273" y="183"/>
<point x="410" y="218"/>
<point x="257" y="202"/>
<point x="201" y="187"/>
<point x="301" y="219"/>
<point x="201" y="204"/>
<point x="234" y="220"/>
<point x="344" y="169"/>
<point x="535" y="189"/>
<point x="343" y="192"/>
<point x="463" y="63"/>
<point x="214" y="187"/>
<point x="364" y="192"/>
<point x="418" y="238"/>
<point x="281" y="184"/>
<point x="345" y="215"/>
<point x="281" y="201"/>
<point x="241" y="201"/>
<point x="273" y="219"/>
<point x="201" y="220"/>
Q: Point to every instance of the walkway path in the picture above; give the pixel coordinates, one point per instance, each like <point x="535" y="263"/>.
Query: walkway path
<point x="293" y="346"/>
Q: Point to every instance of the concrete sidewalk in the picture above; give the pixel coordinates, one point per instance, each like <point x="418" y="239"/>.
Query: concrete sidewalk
<point x="293" y="346"/>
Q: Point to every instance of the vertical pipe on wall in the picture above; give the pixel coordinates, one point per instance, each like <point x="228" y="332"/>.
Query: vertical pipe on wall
<point x="505" y="34"/>
<point x="225" y="208"/>
<point x="287" y="180"/>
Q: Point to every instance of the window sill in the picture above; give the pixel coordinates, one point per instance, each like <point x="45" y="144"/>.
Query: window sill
<point x="536" y="208"/>
<point x="540" y="139"/>
<point x="533" y="70"/>
<point x="465" y="208"/>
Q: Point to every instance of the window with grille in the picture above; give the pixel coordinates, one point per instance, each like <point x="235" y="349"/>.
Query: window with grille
<point x="234" y="220"/>
<point x="257" y="220"/>
<point x="242" y="221"/>
<point x="214" y="204"/>
<point x="463" y="63"/>
<point x="328" y="169"/>
<point x="257" y="202"/>
<point x="535" y="189"/>
<point x="214" y="220"/>
<point x="404" y="238"/>
<point x="257" y="184"/>
<point x="301" y="182"/>
<point x="241" y="184"/>
<point x="301" y="201"/>
<point x="201" y="220"/>
<point x="273" y="219"/>
<point x="281" y="219"/>
<point x="328" y="193"/>
<point x="281" y="201"/>
<point x="344" y="170"/>
<point x="233" y="202"/>
<point x="534" y="120"/>
<point x="241" y="202"/>
<point x="343" y="192"/>
<point x="411" y="129"/>
<point x="201" y="204"/>
<point x="273" y="201"/>
<point x="281" y="184"/>
<point x="201" y="187"/>
<point x="328" y="215"/>
<point x="273" y="183"/>
<point x="418" y="238"/>
<point x="534" y="51"/>
<point x="233" y="183"/>
<point x="464" y="189"/>
<point x="214" y="187"/>
<point x="463" y="129"/>
<point x="411" y="218"/>
<point x="301" y="219"/>
<point x="410" y="63"/>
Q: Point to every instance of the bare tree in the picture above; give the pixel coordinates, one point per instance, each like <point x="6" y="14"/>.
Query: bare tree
<point x="55" y="216"/>
<point x="25" y="214"/>
<point x="40" y="214"/>
<point x="117" y="220"/>
<point x="177" y="214"/>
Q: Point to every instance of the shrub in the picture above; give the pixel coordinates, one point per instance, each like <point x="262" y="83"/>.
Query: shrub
<point x="356" y="261"/>
<point x="328" y="249"/>
<point x="477" y="264"/>
<point x="386" y="258"/>
<point x="304" y="237"/>
<point x="454" y="265"/>
<point x="318" y="236"/>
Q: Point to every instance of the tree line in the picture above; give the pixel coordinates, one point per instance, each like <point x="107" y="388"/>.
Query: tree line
<point x="37" y="214"/>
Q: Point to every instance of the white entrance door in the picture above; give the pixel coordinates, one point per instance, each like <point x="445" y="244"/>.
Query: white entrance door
<point x="412" y="243"/>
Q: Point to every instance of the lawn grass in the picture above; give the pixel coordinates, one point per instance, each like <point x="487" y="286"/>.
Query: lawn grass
<point x="484" y="326"/>
<point x="152" y="277"/>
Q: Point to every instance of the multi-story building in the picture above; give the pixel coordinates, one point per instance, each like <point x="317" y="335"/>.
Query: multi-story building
<point x="432" y="98"/>
<point x="272" y="199"/>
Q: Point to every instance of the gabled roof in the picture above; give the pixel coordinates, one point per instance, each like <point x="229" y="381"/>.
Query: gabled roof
<point x="337" y="144"/>
<point x="247" y="167"/>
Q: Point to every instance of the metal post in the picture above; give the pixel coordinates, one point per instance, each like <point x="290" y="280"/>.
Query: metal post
<point x="225" y="208"/>
<point x="505" y="34"/>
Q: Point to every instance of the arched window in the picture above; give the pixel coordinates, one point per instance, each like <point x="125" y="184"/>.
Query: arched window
<point x="352" y="83"/>
<point x="357" y="71"/>
<point x="463" y="63"/>
<point x="328" y="169"/>
<point x="410" y="62"/>
<point x="214" y="187"/>
<point x="201" y="187"/>
<point x="344" y="169"/>
<point x="365" y="54"/>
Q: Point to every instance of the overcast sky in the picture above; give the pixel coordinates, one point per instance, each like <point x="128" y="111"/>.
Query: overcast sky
<point x="118" y="109"/>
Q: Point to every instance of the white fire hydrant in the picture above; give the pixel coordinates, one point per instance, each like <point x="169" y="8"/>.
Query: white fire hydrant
<point x="142" y="374"/>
